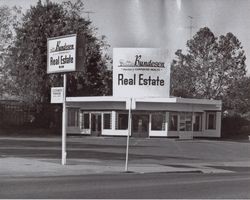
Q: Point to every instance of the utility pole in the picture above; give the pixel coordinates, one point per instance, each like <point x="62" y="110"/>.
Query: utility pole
<point x="89" y="12"/>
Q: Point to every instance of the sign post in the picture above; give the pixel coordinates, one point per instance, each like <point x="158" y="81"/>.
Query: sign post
<point x="64" y="54"/>
<point x="140" y="73"/>
<point x="129" y="132"/>
<point x="64" y="153"/>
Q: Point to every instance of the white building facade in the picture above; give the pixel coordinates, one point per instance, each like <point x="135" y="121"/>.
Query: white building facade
<point x="151" y="117"/>
<point x="143" y="76"/>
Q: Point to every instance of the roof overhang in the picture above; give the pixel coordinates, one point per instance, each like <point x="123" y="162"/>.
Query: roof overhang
<point x="144" y="100"/>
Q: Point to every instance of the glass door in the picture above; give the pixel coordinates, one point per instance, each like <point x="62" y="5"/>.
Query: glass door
<point x="96" y="124"/>
<point x="140" y="125"/>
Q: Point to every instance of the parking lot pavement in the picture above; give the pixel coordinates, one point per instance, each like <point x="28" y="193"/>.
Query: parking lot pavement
<point x="91" y="155"/>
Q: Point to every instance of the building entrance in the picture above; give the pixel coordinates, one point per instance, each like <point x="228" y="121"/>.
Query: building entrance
<point x="96" y="124"/>
<point x="140" y="125"/>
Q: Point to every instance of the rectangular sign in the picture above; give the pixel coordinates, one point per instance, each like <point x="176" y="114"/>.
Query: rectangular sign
<point x="141" y="72"/>
<point x="56" y="95"/>
<point x="61" y="54"/>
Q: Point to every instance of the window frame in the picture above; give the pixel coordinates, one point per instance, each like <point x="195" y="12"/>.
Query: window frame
<point x="73" y="113"/>
<point x="163" y="122"/>
<point x="200" y="114"/>
<point x="110" y="121"/>
<point x="177" y="121"/>
<point x="214" y="125"/>
<point x="118" y="125"/>
<point x="186" y="122"/>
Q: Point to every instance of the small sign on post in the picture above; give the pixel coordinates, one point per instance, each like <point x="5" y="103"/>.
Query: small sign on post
<point x="56" y="95"/>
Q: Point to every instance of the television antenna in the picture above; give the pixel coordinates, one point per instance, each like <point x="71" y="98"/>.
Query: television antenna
<point x="190" y="27"/>
<point x="88" y="12"/>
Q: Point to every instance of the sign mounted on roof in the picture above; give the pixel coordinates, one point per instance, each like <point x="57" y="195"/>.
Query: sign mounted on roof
<point x="65" y="53"/>
<point x="141" y="72"/>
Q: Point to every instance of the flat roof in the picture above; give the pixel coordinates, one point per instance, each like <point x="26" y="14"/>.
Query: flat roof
<point x="144" y="100"/>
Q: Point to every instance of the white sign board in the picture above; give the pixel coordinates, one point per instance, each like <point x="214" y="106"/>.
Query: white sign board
<point x="56" y="95"/>
<point x="141" y="72"/>
<point x="61" y="54"/>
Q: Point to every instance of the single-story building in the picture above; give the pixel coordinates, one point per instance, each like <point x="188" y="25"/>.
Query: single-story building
<point x="151" y="117"/>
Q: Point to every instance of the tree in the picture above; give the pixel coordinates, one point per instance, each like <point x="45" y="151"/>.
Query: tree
<point x="9" y="20"/>
<point x="237" y="98"/>
<point x="210" y="68"/>
<point x="29" y="54"/>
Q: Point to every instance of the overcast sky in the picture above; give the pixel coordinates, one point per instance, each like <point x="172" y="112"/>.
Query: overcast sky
<point x="163" y="23"/>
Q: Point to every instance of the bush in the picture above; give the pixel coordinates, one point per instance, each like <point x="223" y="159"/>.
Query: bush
<point x="235" y="126"/>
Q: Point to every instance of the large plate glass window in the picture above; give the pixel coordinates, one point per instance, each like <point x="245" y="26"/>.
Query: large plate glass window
<point x="85" y="122"/>
<point x="185" y="121"/>
<point x="107" y="121"/>
<point x="158" y="122"/>
<point x="73" y="117"/>
<point x="122" y="121"/>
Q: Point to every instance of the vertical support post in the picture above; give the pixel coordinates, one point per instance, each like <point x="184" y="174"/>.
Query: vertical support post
<point x="64" y="153"/>
<point x="129" y="132"/>
<point x="193" y="120"/>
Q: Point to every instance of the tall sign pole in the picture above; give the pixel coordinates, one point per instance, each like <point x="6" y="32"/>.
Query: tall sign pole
<point x="129" y="132"/>
<point x="139" y="73"/>
<point x="64" y="54"/>
<point x="64" y="121"/>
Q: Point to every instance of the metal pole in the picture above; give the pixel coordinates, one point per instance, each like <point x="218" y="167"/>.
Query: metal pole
<point x="129" y="132"/>
<point x="64" y="121"/>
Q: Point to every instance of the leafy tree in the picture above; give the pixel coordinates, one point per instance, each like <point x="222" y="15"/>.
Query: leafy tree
<point x="29" y="54"/>
<point x="9" y="20"/>
<point x="210" y="67"/>
<point x="237" y="98"/>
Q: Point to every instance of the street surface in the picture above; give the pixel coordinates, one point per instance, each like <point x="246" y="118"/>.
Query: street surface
<point x="141" y="186"/>
<point x="158" y="168"/>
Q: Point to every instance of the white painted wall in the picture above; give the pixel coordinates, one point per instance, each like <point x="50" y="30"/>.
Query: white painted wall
<point x="217" y="132"/>
<point x="166" y="132"/>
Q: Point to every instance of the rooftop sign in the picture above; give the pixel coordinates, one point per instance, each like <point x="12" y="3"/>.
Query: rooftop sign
<point x="141" y="72"/>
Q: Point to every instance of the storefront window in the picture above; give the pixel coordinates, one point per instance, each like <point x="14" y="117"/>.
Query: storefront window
<point x="173" y="122"/>
<point x="211" y="121"/>
<point x="197" y="126"/>
<point x="186" y="121"/>
<point x="106" y="121"/>
<point x="73" y="117"/>
<point x="158" y="122"/>
<point x="122" y="121"/>
<point x="85" y="121"/>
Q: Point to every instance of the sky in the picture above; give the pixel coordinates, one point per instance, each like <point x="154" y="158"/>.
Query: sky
<point x="163" y="23"/>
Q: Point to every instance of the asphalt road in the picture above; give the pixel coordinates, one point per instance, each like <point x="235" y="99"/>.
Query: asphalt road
<point x="153" y="150"/>
<point x="130" y="185"/>
<point x="158" y="185"/>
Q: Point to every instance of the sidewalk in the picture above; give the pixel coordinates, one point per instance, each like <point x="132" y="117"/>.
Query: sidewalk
<point x="12" y="167"/>
<point x="87" y="155"/>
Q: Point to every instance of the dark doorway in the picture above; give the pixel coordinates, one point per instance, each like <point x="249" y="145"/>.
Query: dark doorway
<point x="140" y="125"/>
